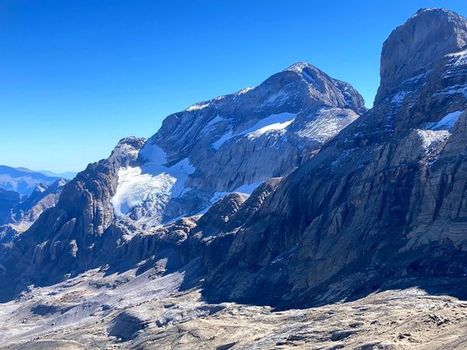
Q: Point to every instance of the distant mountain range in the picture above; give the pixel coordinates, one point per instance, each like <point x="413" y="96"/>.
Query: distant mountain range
<point x="24" y="181"/>
<point x="68" y="175"/>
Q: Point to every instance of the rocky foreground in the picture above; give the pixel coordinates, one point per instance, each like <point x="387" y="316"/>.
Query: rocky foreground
<point x="148" y="311"/>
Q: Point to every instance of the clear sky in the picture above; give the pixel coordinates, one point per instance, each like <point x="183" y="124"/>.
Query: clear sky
<point x="78" y="75"/>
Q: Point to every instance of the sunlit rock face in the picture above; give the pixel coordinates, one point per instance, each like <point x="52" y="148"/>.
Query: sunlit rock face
<point x="415" y="47"/>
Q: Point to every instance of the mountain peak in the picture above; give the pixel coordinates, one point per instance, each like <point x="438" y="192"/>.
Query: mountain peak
<point x="431" y="10"/>
<point x="299" y="67"/>
<point x="127" y="149"/>
<point x="416" y="45"/>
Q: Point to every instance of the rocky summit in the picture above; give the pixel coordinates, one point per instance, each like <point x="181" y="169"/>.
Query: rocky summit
<point x="284" y="215"/>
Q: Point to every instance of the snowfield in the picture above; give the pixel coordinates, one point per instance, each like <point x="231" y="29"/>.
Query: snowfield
<point x="152" y="181"/>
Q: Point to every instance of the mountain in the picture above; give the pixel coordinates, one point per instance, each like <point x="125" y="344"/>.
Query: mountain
<point x="226" y="144"/>
<point x="289" y="195"/>
<point x="23" y="180"/>
<point x="198" y="156"/>
<point x="64" y="175"/>
<point x="18" y="213"/>
<point x="8" y="200"/>
<point x="383" y="204"/>
<point x="24" y="195"/>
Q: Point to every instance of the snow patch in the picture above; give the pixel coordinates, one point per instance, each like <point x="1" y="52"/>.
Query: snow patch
<point x="327" y="124"/>
<point x="431" y="138"/>
<point x="245" y="90"/>
<point x="211" y="125"/>
<point x="435" y="134"/>
<point x="297" y="67"/>
<point x="445" y="123"/>
<point x="272" y="123"/>
<point x="246" y="189"/>
<point x="276" y="98"/>
<point x="197" y="106"/>
<point x="415" y="78"/>
<point x="459" y="58"/>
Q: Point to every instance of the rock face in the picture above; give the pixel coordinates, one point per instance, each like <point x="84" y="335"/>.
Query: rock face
<point x="385" y="200"/>
<point x="198" y="156"/>
<point x="411" y="49"/>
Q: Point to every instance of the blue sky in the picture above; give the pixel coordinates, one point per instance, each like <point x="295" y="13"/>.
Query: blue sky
<point x="78" y="75"/>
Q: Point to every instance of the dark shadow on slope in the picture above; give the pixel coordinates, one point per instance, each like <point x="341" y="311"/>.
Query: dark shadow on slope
<point x="444" y="276"/>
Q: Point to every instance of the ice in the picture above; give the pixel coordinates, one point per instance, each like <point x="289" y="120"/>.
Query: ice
<point x="153" y="154"/>
<point x="152" y="181"/>
<point x="135" y="187"/>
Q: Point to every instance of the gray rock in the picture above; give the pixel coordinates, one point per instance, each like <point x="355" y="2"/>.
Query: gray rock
<point x="414" y="47"/>
<point x="383" y="201"/>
